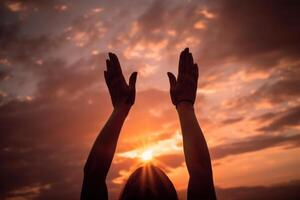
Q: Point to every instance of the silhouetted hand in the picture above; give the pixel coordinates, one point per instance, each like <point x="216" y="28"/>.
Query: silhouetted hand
<point x="121" y="93"/>
<point x="185" y="87"/>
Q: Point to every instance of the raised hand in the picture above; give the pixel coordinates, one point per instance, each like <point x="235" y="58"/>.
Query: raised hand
<point x="121" y="93"/>
<point x="184" y="88"/>
<point x="103" y="150"/>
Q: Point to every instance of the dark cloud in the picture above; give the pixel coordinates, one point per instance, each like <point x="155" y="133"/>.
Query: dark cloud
<point x="33" y="4"/>
<point x="42" y="144"/>
<point x="42" y="135"/>
<point x="19" y="48"/>
<point x="283" y="87"/>
<point x="278" y="90"/>
<point x="232" y="120"/>
<point x="281" y="191"/>
<point x="266" y="117"/>
<point x="289" y="118"/>
<point x="3" y="75"/>
<point x="147" y="20"/>
<point x="254" y="143"/>
<point x="257" y="32"/>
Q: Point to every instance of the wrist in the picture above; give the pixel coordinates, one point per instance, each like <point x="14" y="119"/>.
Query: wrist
<point x="185" y="105"/>
<point x="124" y="109"/>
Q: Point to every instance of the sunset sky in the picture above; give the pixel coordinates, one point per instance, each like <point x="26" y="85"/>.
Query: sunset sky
<point x="54" y="101"/>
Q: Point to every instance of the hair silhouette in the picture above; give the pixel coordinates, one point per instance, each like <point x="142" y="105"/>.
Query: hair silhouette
<point x="148" y="183"/>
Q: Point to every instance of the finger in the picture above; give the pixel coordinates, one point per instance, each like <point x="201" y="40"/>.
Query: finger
<point x="195" y="71"/>
<point x="172" y="80"/>
<point x="186" y="60"/>
<point x="132" y="80"/>
<point x="107" y="80"/>
<point x="190" y="63"/>
<point x="108" y="66"/>
<point x="181" y="64"/>
<point x="182" y="61"/>
<point x="115" y="63"/>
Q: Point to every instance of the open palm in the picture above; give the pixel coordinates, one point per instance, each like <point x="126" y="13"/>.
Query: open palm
<point x="184" y="88"/>
<point x="121" y="93"/>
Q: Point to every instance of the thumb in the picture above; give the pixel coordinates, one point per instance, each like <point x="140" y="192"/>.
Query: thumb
<point x="107" y="79"/>
<point x="132" y="80"/>
<point x="172" y="79"/>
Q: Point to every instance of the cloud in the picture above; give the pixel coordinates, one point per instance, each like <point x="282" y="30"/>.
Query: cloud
<point x="278" y="91"/>
<point x="232" y="120"/>
<point x="288" y="118"/>
<point x="53" y="100"/>
<point x="18" y="47"/>
<point x="22" y="6"/>
<point x="281" y="191"/>
<point x="86" y="29"/>
<point x="283" y="87"/>
<point x="257" y="32"/>
<point x="149" y="39"/>
<point x="254" y="143"/>
<point x="49" y="128"/>
<point x="171" y="161"/>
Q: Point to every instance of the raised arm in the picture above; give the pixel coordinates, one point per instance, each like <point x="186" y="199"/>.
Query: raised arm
<point x="183" y="95"/>
<point x="101" y="155"/>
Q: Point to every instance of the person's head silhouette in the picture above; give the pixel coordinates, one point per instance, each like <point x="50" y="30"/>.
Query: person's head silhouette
<point x="148" y="182"/>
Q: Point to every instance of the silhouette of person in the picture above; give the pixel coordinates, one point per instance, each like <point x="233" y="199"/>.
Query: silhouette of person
<point x="149" y="182"/>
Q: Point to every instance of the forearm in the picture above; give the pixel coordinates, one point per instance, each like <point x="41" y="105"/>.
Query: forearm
<point x="101" y="155"/>
<point x="194" y="144"/>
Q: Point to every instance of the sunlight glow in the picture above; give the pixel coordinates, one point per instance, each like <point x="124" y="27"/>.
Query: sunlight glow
<point x="147" y="156"/>
<point x="167" y="146"/>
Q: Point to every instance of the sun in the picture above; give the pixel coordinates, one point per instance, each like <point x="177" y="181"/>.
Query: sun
<point x="147" y="156"/>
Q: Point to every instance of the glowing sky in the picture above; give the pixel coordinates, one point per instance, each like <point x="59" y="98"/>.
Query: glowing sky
<point x="54" y="101"/>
